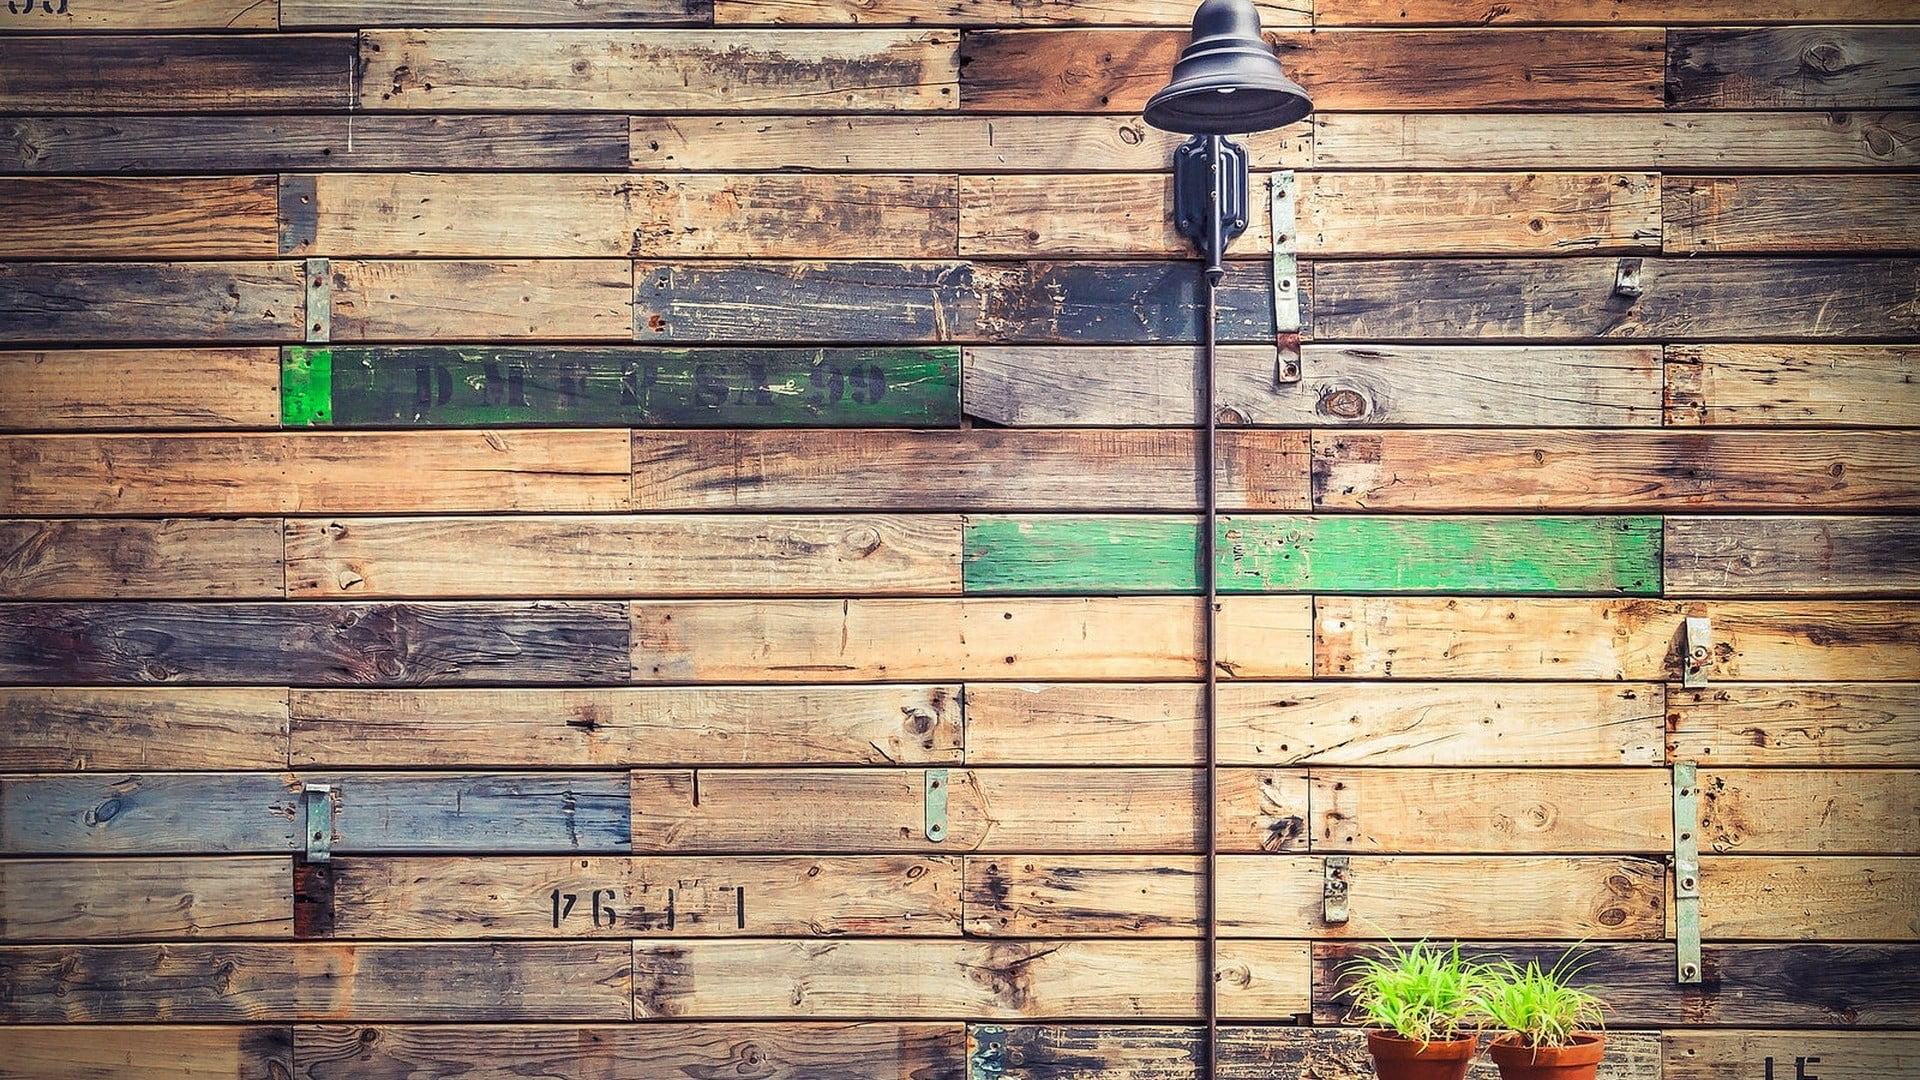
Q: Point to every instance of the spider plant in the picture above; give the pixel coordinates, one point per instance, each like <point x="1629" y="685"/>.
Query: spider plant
<point x="1421" y="993"/>
<point x="1541" y="1007"/>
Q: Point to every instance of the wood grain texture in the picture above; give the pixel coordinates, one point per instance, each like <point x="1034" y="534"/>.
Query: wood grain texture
<point x="1838" y="1055"/>
<point x="168" y="217"/>
<point x="142" y="15"/>
<point x="1794" y="67"/>
<point x="1615" y="470"/>
<point x="1019" y="217"/>
<point x="861" y="640"/>
<point x="1773" y="898"/>
<point x="795" y="725"/>
<point x="1792" y="556"/>
<point x="1766" y="811"/>
<point x="384" y="300"/>
<point x="987" y="12"/>
<point x="1342" y="214"/>
<point x="1629" y="12"/>
<point x="664" y="70"/>
<point x="1813" y="385"/>
<point x="90" y="558"/>
<point x="1839" y="640"/>
<point x="227" y="983"/>
<point x="150" y="389"/>
<point x="149" y="814"/>
<point x="1571" y="811"/>
<point x="1573" y="298"/>
<point x="1101" y="70"/>
<point x="150" y="303"/>
<point x="1795" y="724"/>
<point x="343" y="13"/>
<point x="1649" y="140"/>
<point x="107" y="899"/>
<point x="1085" y="724"/>
<point x="45" y="729"/>
<point x="309" y="472"/>
<point x="315" y="644"/>
<point x="176" y="73"/>
<point x="1789" y="213"/>
<point x="947" y="143"/>
<point x="935" y="979"/>
<point x="786" y="1051"/>
<point x="174" y="1052"/>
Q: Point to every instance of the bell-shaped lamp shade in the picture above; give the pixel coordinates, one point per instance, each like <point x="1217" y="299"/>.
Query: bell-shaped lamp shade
<point x="1228" y="81"/>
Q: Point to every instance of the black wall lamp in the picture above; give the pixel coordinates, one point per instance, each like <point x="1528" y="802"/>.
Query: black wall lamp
<point x="1227" y="82"/>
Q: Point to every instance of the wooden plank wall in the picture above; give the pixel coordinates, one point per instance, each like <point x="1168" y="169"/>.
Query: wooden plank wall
<point x="634" y="451"/>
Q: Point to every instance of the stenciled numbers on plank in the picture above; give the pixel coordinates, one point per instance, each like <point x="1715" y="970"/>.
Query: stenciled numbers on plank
<point x="492" y="385"/>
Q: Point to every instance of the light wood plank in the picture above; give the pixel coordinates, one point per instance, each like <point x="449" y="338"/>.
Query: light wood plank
<point x="988" y="12"/>
<point x="48" y="729"/>
<point x="1511" y="811"/>
<point x="1813" y="385"/>
<point x="90" y="559"/>
<point x="179" y="217"/>
<point x="1086" y="724"/>
<point x="61" y="17"/>
<point x="176" y="1052"/>
<point x="150" y="389"/>
<point x="1771" y="898"/>
<point x="105" y="899"/>
<point x="497" y="13"/>
<point x="1830" y="1055"/>
<point x="1795" y="724"/>
<point x="1020" y="216"/>
<point x="583" y="299"/>
<point x="1813" y="640"/>
<point x="1789" y="213"/>
<point x="1799" y="811"/>
<point x="1792" y="556"/>
<point x="1478" y="213"/>
<point x="1627" y="12"/>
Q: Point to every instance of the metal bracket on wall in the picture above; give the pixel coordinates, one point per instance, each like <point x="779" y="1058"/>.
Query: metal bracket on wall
<point x="987" y="1052"/>
<point x="1686" y="871"/>
<point x="935" y="783"/>
<point x="317" y="802"/>
<point x="319" y="300"/>
<point x="1626" y="279"/>
<point x="1697" y="644"/>
<point x="1334" y="904"/>
<point x="1286" y="278"/>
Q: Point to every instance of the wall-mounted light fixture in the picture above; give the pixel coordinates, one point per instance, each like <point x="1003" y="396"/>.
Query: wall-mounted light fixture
<point x="1227" y="82"/>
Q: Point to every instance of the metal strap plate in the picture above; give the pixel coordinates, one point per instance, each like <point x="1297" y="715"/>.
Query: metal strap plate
<point x="1286" y="277"/>
<point x="319" y="300"/>
<point x="1686" y="871"/>
<point x="1335" y="908"/>
<point x="317" y="801"/>
<point x="936" y="804"/>
<point x="988" y="1059"/>
<point x="1698" y="646"/>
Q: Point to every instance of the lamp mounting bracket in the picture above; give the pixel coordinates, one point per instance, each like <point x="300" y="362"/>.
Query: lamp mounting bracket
<point x="1209" y="178"/>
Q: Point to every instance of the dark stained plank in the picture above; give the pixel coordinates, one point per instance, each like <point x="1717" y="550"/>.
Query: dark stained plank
<point x="659" y="70"/>
<point x="150" y="814"/>
<point x="48" y="729"/>
<point x="149" y="389"/>
<point x="1101" y="70"/>
<point x="788" y="1051"/>
<point x="180" y="558"/>
<point x="195" y="982"/>
<point x="177" y="73"/>
<point x="185" y="144"/>
<point x="1794" y="67"/>
<point x="494" y="385"/>
<point x="319" y="644"/>
<point x="1792" y="556"/>
<point x="174" y="1052"/>
<point x="1628" y="12"/>
<point x="1615" y="470"/>
<point x="1795" y="724"/>
<point x="444" y="300"/>
<point x="1730" y="299"/>
<point x="164" y="217"/>
<point x="151" y="302"/>
<point x="348" y="14"/>
<point x="1796" y="214"/>
<point x="1810" y="385"/>
<point x="109" y="899"/>
<point x="783" y="302"/>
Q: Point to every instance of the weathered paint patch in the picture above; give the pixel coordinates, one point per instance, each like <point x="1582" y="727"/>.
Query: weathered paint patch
<point x="306" y="386"/>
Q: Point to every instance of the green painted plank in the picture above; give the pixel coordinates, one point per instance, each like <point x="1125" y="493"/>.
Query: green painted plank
<point x="306" y="386"/>
<point x="486" y="385"/>
<point x="1079" y="555"/>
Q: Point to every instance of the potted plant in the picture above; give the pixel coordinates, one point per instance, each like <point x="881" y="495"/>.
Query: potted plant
<point x="1549" y="1026"/>
<point x="1422" y="1003"/>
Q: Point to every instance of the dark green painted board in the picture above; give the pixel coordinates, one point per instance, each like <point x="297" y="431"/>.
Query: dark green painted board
<point x="449" y="386"/>
<point x="1333" y="554"/>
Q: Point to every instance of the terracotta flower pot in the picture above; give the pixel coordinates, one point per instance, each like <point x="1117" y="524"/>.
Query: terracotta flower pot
<point x="1395" y="1058"/>
<point x="1517" y="1061"/>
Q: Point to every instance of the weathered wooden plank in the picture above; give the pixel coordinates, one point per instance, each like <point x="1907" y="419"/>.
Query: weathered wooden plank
<point x="88" y="1052"/>
<point x="659" y="70"/>
<point x="1795" y="214"/>
<point x="235" y="558"/>
<point x="149" y="814"/>
<point x="344" y="13"/>
<point x="490" y="812"/>
<point x="865" y="640"/>
<point x="322" y="644"/>
<point x="869" y="810"/>
<point x="1647" y="140"/>
<point x="176" y="73"/>
<point x="614" y="897"/>
<point x="1837" y="1055"/>
<point x="1628" y="12"/>
<point x="971" y="469"/>
<point x="1281" y="896"/>
<point x="988" y="12"/>
<point x="1135" y="1052"/>
<point x="1794" y="67"/>
<point x="1615" y="470"/>
<point x="788" y="1051"/>
<point x="1086" y="724"/>
<point x="169" y="217"/>
<point x="1795" y="724"/>
<point x="551" y="556"/>
<point x="1115" y="71"/>
<point x="947" y="143"/>
<point x="1262" y="810"/>
<point x="1056" y="554"/>
<point x="1487" y="386"/>
<point x="1020" y="217"/>
<point x="141" y="15"/>
<point x="1478" y="213"/>
<point x="1553" y="638"/>
<point x="309" y="472"/>
<point x="105" y="899"/>
<point x="886" y="303"/>
<point x="47" y="729"/>
<point x="1812" y="385"/>
<point x="1792" y="556"/>
<point x="1513" y="811"/>
<point x="1801" y="811"/>
<point x="769" y="215"/>
<point x="798" y="725"/>
<point x="174" y="144"/>
<point x="151" y="302"/>
<point x="199" y="982"/>
<point x="936" y="979"/>
<point x="437" y="300"/>
<point x="1763" y="898"/>
<point x="1789" y="984"/>
<point x="1681" y="299"/>
<point x="151" y="389"/>
<point x="491" y="385"/>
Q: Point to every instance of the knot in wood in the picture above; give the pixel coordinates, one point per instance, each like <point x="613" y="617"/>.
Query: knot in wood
<point x="1345" y="404"/>
<point x="1824" y="57"/>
